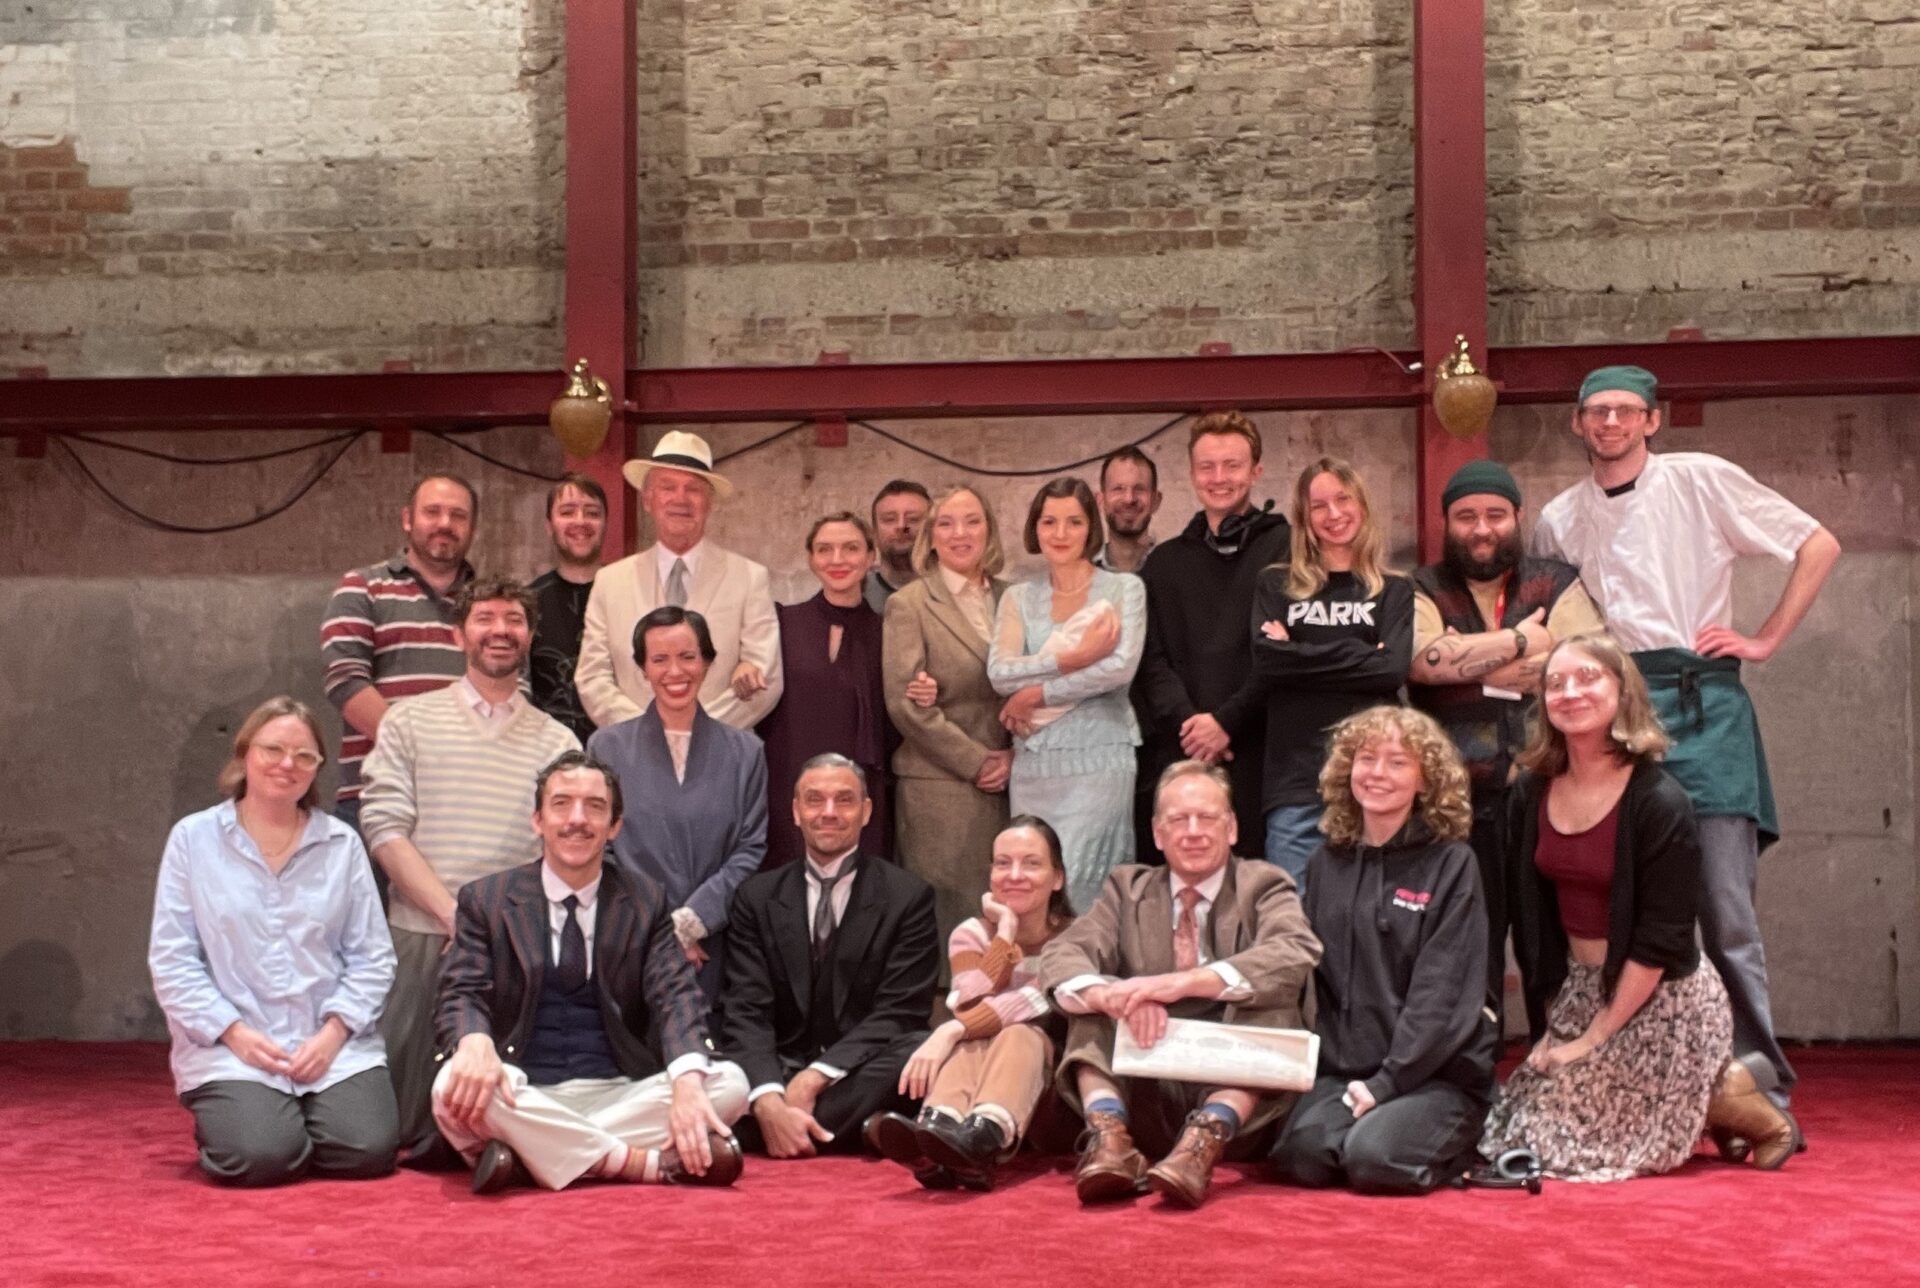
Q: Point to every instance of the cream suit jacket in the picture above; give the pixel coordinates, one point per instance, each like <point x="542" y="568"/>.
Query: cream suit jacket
<point x="730" y="591"/>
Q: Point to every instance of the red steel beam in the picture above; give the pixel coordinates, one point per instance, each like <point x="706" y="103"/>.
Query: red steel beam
<point x="601" y="206"/>
<point x="1449" y="225"/>
<point x="1703" y="371"/>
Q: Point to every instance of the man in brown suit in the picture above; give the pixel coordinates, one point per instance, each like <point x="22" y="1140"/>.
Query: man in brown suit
<point x="576" y="1029"/>
<point x="1209" y="937"/>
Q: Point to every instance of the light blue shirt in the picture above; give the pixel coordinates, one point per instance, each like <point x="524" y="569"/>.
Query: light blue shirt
<point x="232" y="941"/>
<point x="1103" y="712"/>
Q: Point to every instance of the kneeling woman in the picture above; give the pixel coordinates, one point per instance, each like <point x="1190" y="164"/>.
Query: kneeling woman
<point x="272" y="961"/>
<point x="982" y="1072"/>
<point x="1632" y="1053"/>
<point x="1407" y="1047"/>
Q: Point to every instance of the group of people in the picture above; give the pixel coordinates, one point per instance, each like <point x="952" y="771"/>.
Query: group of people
<point x="667" y="867"/>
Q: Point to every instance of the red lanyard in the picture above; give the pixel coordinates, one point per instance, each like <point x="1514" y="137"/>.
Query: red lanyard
<point x="1500" y="604"/>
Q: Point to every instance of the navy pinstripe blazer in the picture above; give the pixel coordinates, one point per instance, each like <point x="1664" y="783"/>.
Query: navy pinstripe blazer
<point x="653" y="1008"/>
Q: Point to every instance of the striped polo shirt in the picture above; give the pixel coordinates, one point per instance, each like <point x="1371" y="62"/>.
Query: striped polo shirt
<point x="387" y="629"/>
<point x="459" y="787"/>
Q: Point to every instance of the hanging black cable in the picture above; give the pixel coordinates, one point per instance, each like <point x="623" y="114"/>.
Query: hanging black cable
<point x="1019" y="474"/>
<point x="494" y="461"/>
<point x="300" y="490"/>
<point x="248" y="459"/>
<point x="762" y="442"/>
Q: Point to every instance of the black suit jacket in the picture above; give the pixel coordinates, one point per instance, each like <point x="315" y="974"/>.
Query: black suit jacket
<point x="886" y="959"/>
<point x="653" y="1007"/>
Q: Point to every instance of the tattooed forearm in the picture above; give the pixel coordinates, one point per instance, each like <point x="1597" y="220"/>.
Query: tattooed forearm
<point x="1457" y="659"/>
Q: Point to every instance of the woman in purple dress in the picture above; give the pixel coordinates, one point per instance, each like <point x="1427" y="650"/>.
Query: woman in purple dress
<point x="830" y="654"/>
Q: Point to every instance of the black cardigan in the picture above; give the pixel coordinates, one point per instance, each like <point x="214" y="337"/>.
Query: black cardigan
<point x="1656" y="888"/>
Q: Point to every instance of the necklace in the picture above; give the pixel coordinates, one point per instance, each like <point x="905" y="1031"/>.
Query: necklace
<point x="1058" y="589"/>
<point x="275" y="851"/>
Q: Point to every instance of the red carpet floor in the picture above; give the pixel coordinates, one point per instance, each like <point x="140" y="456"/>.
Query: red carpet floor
<point x="97" y="1174"/>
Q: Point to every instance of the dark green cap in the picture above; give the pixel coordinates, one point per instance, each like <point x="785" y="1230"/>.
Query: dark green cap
<point x="1477" y="477"/>
<point x="1633" y="380"/>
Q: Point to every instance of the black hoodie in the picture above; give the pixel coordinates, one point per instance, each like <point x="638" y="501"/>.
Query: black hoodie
<point x="1198" y="657"/>
<point x="1400" y="988"/>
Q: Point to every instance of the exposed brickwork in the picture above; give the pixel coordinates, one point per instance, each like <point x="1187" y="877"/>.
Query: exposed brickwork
<point x="52" y="218"/>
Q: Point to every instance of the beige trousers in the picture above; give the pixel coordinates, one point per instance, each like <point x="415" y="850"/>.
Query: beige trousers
<point x="1009" y="1069"/>
<point x="561" y="1131"/>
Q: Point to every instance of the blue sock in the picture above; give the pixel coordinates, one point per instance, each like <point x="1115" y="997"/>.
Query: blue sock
<point x="1225" y="1114"/>
<point x="1108" y="1105"/>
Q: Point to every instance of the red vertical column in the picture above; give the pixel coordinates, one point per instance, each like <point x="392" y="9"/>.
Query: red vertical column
<point x="1449" y="223"/>
<point x="602" y="164"/>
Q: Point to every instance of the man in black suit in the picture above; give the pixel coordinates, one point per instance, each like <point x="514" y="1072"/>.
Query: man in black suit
<point x="830" y="972"/>
<point x="569" y="969"/>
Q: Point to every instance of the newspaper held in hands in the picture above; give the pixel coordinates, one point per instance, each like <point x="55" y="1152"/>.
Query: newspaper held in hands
<point x="1230" y="1055"/>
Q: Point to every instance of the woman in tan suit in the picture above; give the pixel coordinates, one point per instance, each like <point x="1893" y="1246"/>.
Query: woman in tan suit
<point x="954" y="757"/>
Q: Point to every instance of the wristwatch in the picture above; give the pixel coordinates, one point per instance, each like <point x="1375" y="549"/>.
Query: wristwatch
<point x="1519" y="643"/>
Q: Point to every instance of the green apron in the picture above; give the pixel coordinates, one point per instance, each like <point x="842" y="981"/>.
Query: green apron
<point x="1716" y="754"/>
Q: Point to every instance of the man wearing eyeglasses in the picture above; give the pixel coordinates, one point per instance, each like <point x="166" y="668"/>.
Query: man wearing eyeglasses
<point x="1655" y="539"/>
<point x="1210" y="937"/>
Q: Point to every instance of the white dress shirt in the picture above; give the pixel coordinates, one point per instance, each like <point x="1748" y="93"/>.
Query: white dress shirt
<point x="975" y="599"/>
<point x="492" y="714"/>
<point x="818" y="873"/>
<point x="664" y="559"/>
<point x="1237" y="989"/>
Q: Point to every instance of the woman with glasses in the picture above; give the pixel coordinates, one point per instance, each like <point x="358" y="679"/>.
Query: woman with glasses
<point x="1633" y="1029"/>
<point x="271" y="960"/>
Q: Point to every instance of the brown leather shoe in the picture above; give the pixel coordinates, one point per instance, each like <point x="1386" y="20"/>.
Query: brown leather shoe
<point x="1111" y="1167"/>
<point x="1740" y="1112"/>
<point x="725" y="1169"/>
<point x="1182" y="1176"/>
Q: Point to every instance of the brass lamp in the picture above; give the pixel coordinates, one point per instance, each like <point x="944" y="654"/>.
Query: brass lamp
<point x="581" y="414"/>
<point x="1463" y="396"/>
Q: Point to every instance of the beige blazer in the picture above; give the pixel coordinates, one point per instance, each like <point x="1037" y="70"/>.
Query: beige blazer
<point x="926" y="631"/>
<point x="730" y="591"/>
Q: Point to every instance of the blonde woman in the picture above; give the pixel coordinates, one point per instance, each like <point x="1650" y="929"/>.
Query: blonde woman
<point x="272" y="961"/>
<point x="955" y="757"/>
<point x="1332" y="635"/>
<point x="1407" y="1047"/>
<point x="1633" y="1028"/>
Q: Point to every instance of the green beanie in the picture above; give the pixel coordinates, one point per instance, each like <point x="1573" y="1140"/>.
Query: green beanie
<point x="1633" y="380"/>
<point x="1477" y="477"/>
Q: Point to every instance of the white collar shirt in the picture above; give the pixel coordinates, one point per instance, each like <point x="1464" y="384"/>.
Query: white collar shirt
<point x="586" y="914"/>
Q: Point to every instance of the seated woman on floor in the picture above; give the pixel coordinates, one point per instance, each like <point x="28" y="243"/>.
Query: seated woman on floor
<point x="982" y="1073"/>
<point x="1406" y="1047"/>
<point x="272" y="961"/>
<point x="1632" y="1054"/>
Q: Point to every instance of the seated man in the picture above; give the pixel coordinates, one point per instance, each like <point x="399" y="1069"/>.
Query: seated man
<point x="830" y="970"/>
<point x="570" y="966"/>
<point x="1208" y="937"/>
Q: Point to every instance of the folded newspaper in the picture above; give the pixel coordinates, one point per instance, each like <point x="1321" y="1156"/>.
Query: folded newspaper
<point x="1228" y="1055"/>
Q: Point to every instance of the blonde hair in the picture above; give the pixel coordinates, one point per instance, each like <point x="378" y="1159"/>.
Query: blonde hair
<point x="1445" y="799"/>
<point x="1229" y="424"/>
<point x="925" y="560"/>
<point x="233" y="776"/>
<point x="1635" y="731"/>
<point x="1306" y="574"/>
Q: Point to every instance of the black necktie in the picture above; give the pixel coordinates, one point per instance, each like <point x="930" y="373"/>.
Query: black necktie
<point x="573" y="948"/>
<point x="823" y="911"/>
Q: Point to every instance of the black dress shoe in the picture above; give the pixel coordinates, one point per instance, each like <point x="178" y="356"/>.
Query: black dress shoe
<point x="728" y="1162"/>
<point x="896" y="1137"/>
<point x="971" y="1149"/>
<point x="498" y="1169"/>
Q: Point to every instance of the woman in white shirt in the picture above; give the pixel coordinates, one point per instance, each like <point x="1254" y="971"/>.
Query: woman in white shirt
<point x="271" y="960"/>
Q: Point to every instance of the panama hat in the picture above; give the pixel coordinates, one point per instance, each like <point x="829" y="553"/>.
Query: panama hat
<point x="678" y="450"/>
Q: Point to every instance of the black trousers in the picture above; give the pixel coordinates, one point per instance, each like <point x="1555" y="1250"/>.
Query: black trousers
<point x="844" y="1108"/>
<point x="1408" y="1145"/>
<point x="250" y="1134"/>
<point x="1496" y="883"/>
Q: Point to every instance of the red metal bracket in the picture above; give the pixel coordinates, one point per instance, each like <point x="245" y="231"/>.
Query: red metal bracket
<point x="1686" y="415"/>
<point x="831" y="430"/>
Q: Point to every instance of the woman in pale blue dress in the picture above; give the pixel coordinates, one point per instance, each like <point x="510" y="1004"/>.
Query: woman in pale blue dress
<point x="1064" y="651"/>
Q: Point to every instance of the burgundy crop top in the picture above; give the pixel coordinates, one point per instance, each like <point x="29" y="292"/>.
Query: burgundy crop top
<point x="1580" y="865"/>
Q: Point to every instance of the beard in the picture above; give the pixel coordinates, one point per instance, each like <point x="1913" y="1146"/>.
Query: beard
<point x="1506" y="553"/>
<point x="1122" y="525"/>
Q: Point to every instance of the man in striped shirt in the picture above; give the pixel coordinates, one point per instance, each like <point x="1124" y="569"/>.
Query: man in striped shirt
<point x="390" y="632"/>
<point x="449" y="799"/>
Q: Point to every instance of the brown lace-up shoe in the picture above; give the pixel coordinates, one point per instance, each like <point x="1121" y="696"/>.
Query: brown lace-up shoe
<point x="1182" y="1176"/>
<point x="1111" y="1167"/>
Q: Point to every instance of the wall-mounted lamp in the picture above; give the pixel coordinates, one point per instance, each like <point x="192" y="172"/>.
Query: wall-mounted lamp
<point x="1463" y="397"/>
<point x="581" y="414"/>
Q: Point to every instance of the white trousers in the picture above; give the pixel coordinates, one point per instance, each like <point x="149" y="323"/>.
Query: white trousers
<point x="561" y="1131"/>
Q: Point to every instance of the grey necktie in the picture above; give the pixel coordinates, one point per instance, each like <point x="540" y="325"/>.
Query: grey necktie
<point x="677" y="584"/>
<point x="823" y="911"/>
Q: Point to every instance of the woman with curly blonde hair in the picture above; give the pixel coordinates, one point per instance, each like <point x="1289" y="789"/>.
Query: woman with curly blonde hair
<point x="1407" y="1046"/>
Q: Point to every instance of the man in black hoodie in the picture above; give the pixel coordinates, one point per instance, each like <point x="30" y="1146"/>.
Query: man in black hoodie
<point x="1194" y="692"/>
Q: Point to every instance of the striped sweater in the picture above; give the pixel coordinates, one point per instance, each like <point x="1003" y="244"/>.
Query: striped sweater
<point x="994" y="983"/>
<point x="387" y="630"/>
<point x="460" y="790"/>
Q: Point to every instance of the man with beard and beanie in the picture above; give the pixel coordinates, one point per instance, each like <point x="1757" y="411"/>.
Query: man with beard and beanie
<point x="1129" y="498"/>
<point x="449" y="790"/>
<point x="577" y="522"/>
<point x="390" y="631"/>
<point x="898" y="510"/>
<point x="1484" y="619"/>
<point x="1655" y="538"/>
<point x="1195" y="693"/>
